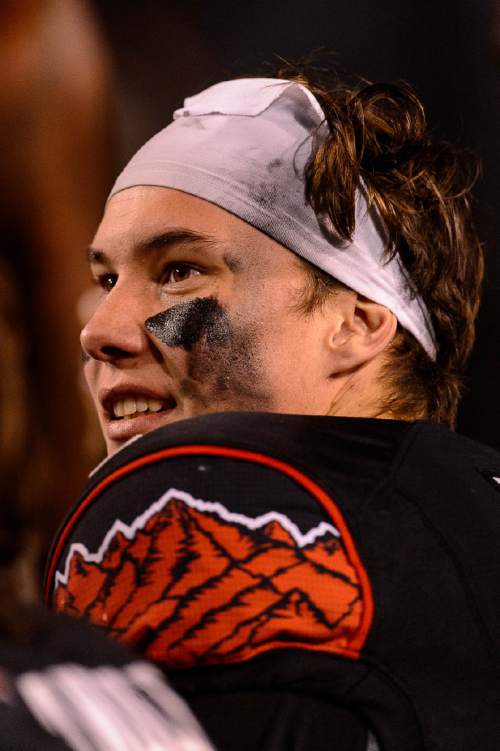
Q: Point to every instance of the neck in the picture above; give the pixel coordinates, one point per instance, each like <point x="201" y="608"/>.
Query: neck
<point x="360" y="393"/>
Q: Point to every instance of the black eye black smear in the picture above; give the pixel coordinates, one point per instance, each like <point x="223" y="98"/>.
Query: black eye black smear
<point x="224" y="370"/>
<point x="187" y="323"/>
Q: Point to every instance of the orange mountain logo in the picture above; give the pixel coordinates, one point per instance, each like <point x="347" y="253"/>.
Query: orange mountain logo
<point x="191" y="583"/>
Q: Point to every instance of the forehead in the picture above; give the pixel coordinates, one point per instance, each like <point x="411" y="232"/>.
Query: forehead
<point x="139" y="213"/>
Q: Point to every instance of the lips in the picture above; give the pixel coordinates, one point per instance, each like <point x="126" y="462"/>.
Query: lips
<point x="131" y="410"/>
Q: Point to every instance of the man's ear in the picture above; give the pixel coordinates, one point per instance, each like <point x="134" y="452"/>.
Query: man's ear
<point x="367" y="328"/>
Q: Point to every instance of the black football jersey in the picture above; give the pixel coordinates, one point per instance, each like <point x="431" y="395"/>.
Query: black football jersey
<point x="306" y="582"/>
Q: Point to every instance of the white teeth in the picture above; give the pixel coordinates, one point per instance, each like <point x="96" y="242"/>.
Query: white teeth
<point x="141" y="404"/>
<point x="154" y="405"/>
<point x="118" y="408"/>
<point x="131" y="406"/>
<point x="128" y="407"/>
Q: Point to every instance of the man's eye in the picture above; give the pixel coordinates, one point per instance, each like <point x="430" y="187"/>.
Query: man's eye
<point x="106" y="281"/>
<point x="179" y="272"/>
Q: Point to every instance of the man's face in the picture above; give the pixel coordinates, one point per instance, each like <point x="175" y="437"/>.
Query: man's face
<point x="198" y="313"/>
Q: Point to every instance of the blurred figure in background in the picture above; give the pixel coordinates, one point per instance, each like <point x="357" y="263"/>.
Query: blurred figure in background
<point x="54" y="133"/>
<point x="62" y="686"/>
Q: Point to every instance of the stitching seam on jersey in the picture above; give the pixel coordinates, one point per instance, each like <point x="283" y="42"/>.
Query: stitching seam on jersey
<point x="396" y="463"/>
<point x="386" y="676"/>
<point x="454" y="557"/>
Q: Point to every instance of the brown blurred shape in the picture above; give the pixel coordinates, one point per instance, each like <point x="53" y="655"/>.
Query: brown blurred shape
<point x="55" y="172"/>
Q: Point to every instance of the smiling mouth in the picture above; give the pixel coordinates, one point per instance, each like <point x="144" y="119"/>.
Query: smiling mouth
<point x="131" y="407"/>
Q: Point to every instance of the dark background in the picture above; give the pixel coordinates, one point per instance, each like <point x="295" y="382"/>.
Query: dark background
<point x="447" y="49"/>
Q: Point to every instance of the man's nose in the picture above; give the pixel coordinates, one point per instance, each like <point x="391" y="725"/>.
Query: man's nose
<point x="116" y="329"/>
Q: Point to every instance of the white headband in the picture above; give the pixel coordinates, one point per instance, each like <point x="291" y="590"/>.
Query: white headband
<point x="243" y="145"/>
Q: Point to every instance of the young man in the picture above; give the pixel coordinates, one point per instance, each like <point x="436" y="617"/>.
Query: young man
<point x="320" y="576"/>
<point x="205" y="216"/>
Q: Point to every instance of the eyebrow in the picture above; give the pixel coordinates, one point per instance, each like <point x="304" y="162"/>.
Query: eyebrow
<point x="160" y="241"/>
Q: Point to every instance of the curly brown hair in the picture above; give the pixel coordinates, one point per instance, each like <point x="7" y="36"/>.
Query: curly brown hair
<point x="421" y="187"/>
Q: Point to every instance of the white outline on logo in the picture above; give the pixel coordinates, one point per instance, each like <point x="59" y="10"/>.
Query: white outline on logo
<point x="129" y="530"/>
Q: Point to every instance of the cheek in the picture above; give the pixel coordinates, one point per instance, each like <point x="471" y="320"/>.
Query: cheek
<point x="290" y="354"/>
<point x="219" y="354"/>
<point x="224" y="365"/>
